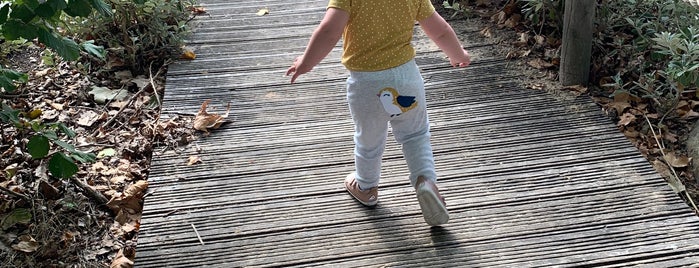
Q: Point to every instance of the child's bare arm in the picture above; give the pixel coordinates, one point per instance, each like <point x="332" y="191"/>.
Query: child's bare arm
<point x="443" y="35"/>
<point x="322" y="42"/>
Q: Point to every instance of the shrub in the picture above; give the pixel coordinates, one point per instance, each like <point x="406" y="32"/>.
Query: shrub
<point x="140" y="32"/>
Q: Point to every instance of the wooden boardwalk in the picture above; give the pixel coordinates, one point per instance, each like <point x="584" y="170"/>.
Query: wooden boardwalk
<point x="530" y="180"/>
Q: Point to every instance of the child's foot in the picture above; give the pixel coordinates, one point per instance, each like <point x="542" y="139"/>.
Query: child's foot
<point x="432" y="204"/>
<point x="366" y="197"/>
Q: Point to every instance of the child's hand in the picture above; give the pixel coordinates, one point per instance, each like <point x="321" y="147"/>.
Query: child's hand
<point x="462" y="61"/>
<point x="297" y="69"/>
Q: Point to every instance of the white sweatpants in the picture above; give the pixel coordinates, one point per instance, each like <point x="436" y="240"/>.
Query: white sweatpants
<point x="395" y="96"/>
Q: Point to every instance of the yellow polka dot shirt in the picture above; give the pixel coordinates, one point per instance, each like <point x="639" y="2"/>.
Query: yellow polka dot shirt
<point x="378" y="34"/>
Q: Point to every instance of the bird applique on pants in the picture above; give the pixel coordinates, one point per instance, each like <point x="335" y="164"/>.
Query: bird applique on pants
<point x="394" y="103"/>
<point x="401" y="105"/>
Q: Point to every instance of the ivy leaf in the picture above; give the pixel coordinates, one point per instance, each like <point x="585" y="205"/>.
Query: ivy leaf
<point x="38" y="146"/>
<point x="60" y="165"/>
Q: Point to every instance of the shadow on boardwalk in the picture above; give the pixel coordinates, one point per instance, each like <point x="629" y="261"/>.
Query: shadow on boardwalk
<point x="530" y="180"/>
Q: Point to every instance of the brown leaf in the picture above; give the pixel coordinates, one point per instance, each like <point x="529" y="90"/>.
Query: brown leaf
<point x="671" y="137"/>
<point x="88" y="118"/>
<point x="677" y="161"/>
<point x="196" y="10"/>
<point x="48" y="191"/>
<point x="626" y="97"/>
<point x="523" y="40"/>
<point x="690" y="115"/>
<point x="540" y="64"/>
<point x="486" y="32"/>
<point x="631" y="132"/>
<point x="513" y="21"/>
<point x="204" y="120"/>
<point x="662" y="168"/>
<point x="499" y="17"/>
<point x="194" y="159"/>
<point x="136" y="189"/>
<point x="626" y="119"/>
<point x="121" y="261"/>
<point x="620" y="107"/>
<point x="26" y="244"/>
<point x="188" y="54"/>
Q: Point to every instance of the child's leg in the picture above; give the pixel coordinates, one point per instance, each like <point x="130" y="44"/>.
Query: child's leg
<point x="371" y="129"/>
<point x="411" y="129"/>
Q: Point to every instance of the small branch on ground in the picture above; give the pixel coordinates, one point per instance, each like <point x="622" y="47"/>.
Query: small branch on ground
<point x="17" y="195"/>
<point x="675" y="179"/>
<point x="92" y="193"/>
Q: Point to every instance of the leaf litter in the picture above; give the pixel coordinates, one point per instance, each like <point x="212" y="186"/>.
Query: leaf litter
<point x="538" y="57"/>
<point x="48" y="221"/>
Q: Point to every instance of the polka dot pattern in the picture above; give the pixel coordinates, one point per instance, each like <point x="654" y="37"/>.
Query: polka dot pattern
<point x="379" y="32"/>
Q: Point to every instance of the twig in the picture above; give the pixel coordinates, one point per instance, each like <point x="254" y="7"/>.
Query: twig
<point x="18" y="195"/>
<point x="128" y="103"/>
<point x="198" y="236"/>
<point x="674" y="173"/>
<point x="94" y="194"/>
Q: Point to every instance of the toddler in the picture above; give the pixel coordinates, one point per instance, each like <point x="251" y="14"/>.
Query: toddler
<point x="385" y="86"/>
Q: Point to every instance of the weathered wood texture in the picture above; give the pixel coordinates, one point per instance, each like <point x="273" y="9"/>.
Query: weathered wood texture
<point x="576" y="50"/>
<point x="530" y="179"/>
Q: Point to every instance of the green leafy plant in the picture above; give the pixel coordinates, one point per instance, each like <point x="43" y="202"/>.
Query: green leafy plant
<point x="456" y="6"/>
<point x="9" y="79"/>
<point x="544" y="13"/>
<point x="682" y="53"/>
<point x="140" y="32"/>
<point x="40" y="20"/>
<point x="60" y="164"/>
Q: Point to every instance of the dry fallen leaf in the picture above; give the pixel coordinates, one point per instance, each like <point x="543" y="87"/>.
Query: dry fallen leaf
<point x="204" y="120"/>
<point x="193" y="160"/>
<point x="196" y="10"/>
<point x="26" y="244"/>
<point x="677" y="161"/>
<point x="136" y="189"/>
<point x="87" y="118"/>
<point x="626" y="119"/>
<point x="540" y="64"/>
<point x="188" y="55"/>
<point x="121" y="261"/>
<point x="262" y="12"/>
<point x="486" y="32"/>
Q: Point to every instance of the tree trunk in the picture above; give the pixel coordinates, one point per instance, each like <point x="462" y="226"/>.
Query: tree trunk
<point x="693" y="148"/>
<point x="578" y="19"/>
